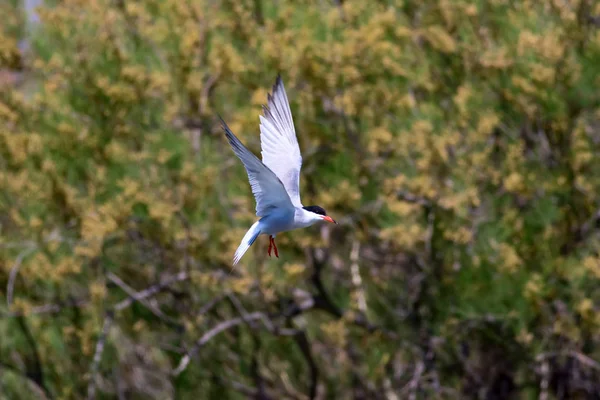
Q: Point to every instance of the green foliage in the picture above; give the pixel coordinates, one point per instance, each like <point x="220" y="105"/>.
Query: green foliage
<point x="456" y="142"/>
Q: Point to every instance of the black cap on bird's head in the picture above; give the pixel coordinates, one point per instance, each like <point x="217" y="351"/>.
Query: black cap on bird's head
<point x="320" y="211"/>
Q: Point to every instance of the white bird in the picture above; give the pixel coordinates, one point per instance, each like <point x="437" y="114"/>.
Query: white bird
<point x="275" y="180"/>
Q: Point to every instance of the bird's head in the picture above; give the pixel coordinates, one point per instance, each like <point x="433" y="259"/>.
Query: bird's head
<point x="319" y="213"/>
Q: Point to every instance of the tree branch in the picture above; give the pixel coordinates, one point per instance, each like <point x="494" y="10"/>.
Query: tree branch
<point x="13" y="274"/>
<point x="323" y="301"/>
<point x="108" y="320"/>
<point x="302" y="342"/>
<point x="150" y="291"/>
<point x="52" y="308"/>
<point x="221" y="327"/>
<point x="141" y="298"/>
<point x="35" y="371"/>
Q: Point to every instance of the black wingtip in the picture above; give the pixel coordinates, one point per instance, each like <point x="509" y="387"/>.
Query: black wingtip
<point x="278" y="83"/>
<point x="225" y="127"/>
<point x="266" y="111"/>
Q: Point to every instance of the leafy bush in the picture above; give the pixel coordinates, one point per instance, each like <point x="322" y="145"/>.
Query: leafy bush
<point x="455" y="142"/>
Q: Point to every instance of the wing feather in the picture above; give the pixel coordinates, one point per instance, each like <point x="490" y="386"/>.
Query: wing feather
<point x="267" y="188"/>
<point x="280" y="150"/>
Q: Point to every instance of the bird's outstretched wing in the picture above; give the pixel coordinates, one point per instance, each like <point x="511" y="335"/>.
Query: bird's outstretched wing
<point x="268" y="190"/>
<point x="280" y="150"/>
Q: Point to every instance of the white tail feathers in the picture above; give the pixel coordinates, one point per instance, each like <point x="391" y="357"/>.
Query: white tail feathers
<point x="247" y="241"/>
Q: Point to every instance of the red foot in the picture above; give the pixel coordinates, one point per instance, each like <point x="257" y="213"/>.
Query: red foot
<point x="272" y="246"/>
<point x="275" y="248"/>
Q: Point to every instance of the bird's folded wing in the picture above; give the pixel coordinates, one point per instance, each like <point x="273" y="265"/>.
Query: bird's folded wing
<point x="268" y="190"/>
<point x="280" y="150"/>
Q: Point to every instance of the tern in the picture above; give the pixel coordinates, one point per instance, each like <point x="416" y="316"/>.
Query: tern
<point x="275" y="181"/>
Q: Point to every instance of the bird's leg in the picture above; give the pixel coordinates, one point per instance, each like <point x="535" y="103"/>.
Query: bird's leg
<point x="275" y="248"/>
<point x="270" y="245"/>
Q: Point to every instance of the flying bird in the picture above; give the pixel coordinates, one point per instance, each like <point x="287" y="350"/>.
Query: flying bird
<point x="275" y="181"/>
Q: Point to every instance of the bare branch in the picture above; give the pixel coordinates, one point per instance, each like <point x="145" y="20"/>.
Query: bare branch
<point x="35" y="371"/>
<point x="141" y="298"/>
<point x="582" y="358"/>
<point x="151" y="291"/>
<point x="413" y="385"/>
<point x="13" y="274"/>
<point x="223" y="326"/>
<point x="545" y="381"/>
<point x="304" y="345"/>
<point x="52" y="308"/>
<point x="356" y="278"/>
<point x="91" y="390"/>
<point x="209" y="305"/>
<point x="323" y="301"/>
<point x="268" y="324"/>
<point x="246" y="317"/>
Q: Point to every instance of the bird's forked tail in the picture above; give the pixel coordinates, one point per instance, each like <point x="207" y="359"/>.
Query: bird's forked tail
<point x="247" y="241"/>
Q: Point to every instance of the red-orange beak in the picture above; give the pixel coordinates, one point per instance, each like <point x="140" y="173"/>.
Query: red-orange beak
<point x="329" y="219"/>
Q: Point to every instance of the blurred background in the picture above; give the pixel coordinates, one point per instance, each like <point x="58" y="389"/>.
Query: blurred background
<point x="456" y="143"/>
